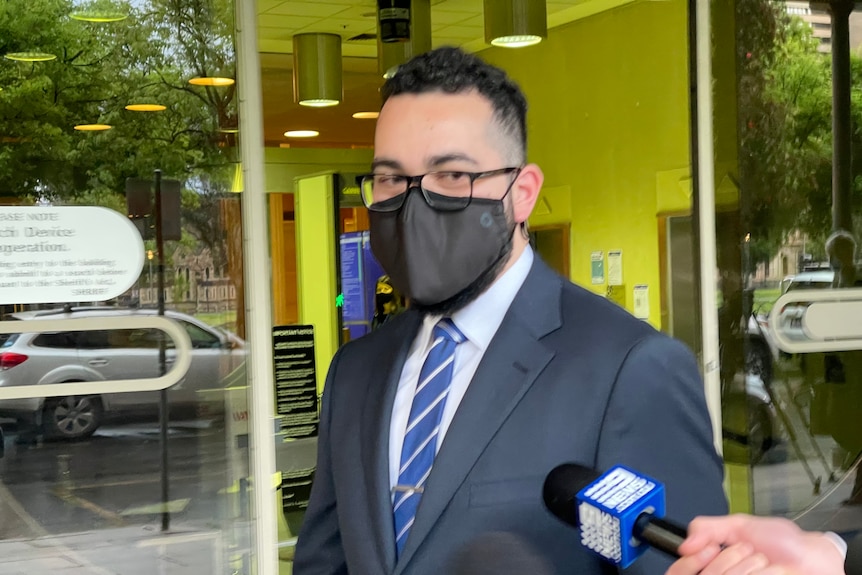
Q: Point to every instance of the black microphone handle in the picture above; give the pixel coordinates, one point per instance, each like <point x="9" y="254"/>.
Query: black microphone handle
<point x="659" y="534"/>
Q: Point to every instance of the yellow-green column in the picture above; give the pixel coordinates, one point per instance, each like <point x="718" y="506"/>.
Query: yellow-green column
<point x="315" y="265"/>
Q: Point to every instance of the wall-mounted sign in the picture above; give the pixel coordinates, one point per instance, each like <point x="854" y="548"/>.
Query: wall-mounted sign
<point x="295" y="380"/>
<point x="641" y="301"/>
<point x="615" y="267"/>
<point x="66" y="254"/>
<point x="597" y="267"/>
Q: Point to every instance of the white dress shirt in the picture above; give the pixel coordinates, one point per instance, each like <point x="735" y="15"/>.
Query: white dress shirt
<point x="478" y="321"/>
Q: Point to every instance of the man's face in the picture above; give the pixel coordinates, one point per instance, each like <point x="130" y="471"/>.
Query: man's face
<point x="420" y="133"/>
<point x="439" y="132"/>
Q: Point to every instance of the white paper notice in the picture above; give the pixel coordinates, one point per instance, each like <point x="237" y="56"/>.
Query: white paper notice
<point x="615" y="268"/>
<point x="641" y="301"/>
<point x="67" y="254"/>
<point x="597" y="267"/>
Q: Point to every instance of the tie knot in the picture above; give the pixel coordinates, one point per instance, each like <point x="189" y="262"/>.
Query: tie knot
<point x="445" y="328"/>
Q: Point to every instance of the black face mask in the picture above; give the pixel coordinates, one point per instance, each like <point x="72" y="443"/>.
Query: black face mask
<point x="433" y="256"/>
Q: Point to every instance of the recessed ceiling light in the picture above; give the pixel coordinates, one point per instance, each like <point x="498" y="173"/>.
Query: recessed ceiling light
<point x="212" y="81"/>
<point x="302" y="133"/>
<point x="96" y="16"/>
<point x="366" y="115"/>
<point x="93" y="127"/>
<point x="30" y="56"/>
<point x="145" y="107"/>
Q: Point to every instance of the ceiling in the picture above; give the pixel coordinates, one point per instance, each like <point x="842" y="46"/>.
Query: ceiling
<point x="453" y="22"/>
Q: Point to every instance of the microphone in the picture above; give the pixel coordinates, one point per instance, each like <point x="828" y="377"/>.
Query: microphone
<point x="499" y="553"/>
<point x="619" y="513"/>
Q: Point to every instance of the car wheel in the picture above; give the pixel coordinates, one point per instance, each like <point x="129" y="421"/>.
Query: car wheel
<point x="747" y="429"/>
<point x="73" y="417"/>
<point x="758" y="361"/>
<point x="760" y="431"/>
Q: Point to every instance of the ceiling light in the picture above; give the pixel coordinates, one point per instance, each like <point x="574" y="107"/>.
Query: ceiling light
<point x="93" y="127"/>
<point x="317" y="70"/>
<point x="145" y="107"/>
<point x="212" y="81"/>
<point x="319" y="102"/>
<point x="515" y="23"/>
<point x="516" y="41"/>
<point x="30" y="56"/>
<point x="302" y="133"/>
<point x="97" y="16"/>
<point x="366" y="115"/>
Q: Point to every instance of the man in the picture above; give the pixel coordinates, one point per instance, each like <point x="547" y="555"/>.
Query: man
<point x="443" y="424"/>
<point x="743" y="544"/>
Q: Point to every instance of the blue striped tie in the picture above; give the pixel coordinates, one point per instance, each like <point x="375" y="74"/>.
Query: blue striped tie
<point x="420" y="437"/>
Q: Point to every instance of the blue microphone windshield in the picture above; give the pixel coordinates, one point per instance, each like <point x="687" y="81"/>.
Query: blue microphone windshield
<point x="609" y="508"/>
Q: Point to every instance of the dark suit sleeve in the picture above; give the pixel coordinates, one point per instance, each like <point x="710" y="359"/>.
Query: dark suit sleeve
<point x="657" y="423"/>
<point x="318" y="548"/>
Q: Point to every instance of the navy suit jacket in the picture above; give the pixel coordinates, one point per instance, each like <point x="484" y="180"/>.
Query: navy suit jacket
<point x="569" y="377"/>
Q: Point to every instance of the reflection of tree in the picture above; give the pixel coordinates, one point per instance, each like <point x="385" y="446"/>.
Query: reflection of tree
<point x="99" y="69"/>
<point x="784" y="101"/>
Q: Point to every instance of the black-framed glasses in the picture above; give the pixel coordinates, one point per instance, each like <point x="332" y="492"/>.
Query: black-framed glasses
<point x="444" y="191"/>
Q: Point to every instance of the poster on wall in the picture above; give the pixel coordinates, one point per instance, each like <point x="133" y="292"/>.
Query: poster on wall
<point x="641" y="301"/>
<point x="597" y="267"/>
<point x="615" y="268"/>
<point x="359" y="275"/>
<point x="295" y="380"/>
<point x="296" y="489"/>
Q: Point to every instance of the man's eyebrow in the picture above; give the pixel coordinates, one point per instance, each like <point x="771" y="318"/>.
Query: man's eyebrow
<point x="437" y="161"/>
<point x="385" y="163"/>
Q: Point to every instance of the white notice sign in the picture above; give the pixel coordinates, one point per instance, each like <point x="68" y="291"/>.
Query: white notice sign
<point x="615" y="268"/>
<point x="641" y="297"/>
<point x="66" y="254"/>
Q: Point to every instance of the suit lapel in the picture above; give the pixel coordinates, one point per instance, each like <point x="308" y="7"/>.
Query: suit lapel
<point x="511" y="364"/>
<point x="385" y="372"/>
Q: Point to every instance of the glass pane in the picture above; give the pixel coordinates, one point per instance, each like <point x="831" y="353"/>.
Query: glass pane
<point x="119" y="137"/>
<point x="791" y="393"/>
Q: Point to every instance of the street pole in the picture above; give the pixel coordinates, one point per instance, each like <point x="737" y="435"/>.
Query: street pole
<point x="842" y="176"/>
<point x="163" y="394"/>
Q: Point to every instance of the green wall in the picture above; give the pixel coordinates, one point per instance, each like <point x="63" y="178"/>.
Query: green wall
<point x="609" y="121"/>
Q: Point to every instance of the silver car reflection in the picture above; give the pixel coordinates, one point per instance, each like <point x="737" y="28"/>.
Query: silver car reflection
<point x="59" y="357"/>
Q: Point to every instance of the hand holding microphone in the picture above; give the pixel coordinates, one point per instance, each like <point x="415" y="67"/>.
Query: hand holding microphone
<point x="619" y="514"/>
<point x="762" y="546"/>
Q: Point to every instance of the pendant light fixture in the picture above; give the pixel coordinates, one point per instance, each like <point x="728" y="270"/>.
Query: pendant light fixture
<point x="515" y="23"/>
<point x="317" y="69"/>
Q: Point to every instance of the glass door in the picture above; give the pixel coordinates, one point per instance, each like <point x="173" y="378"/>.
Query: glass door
<point x="123" y="388"/>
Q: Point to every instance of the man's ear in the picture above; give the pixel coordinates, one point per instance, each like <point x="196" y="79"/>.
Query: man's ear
<point x="525" y="192"/>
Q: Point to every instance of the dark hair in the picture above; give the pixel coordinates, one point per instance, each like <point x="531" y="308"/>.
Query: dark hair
<point x="453" y="71"/>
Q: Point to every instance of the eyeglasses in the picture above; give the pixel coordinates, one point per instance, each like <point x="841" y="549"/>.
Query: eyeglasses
<point x="444" y="191"/>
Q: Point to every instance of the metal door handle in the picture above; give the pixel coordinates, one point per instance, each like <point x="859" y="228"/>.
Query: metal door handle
<point x="98" y="362"/>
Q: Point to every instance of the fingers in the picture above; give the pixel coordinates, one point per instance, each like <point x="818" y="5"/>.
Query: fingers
<point x="694" y="563"/>
<point x="739" y="559"/>
<point x="718" y="530"/>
